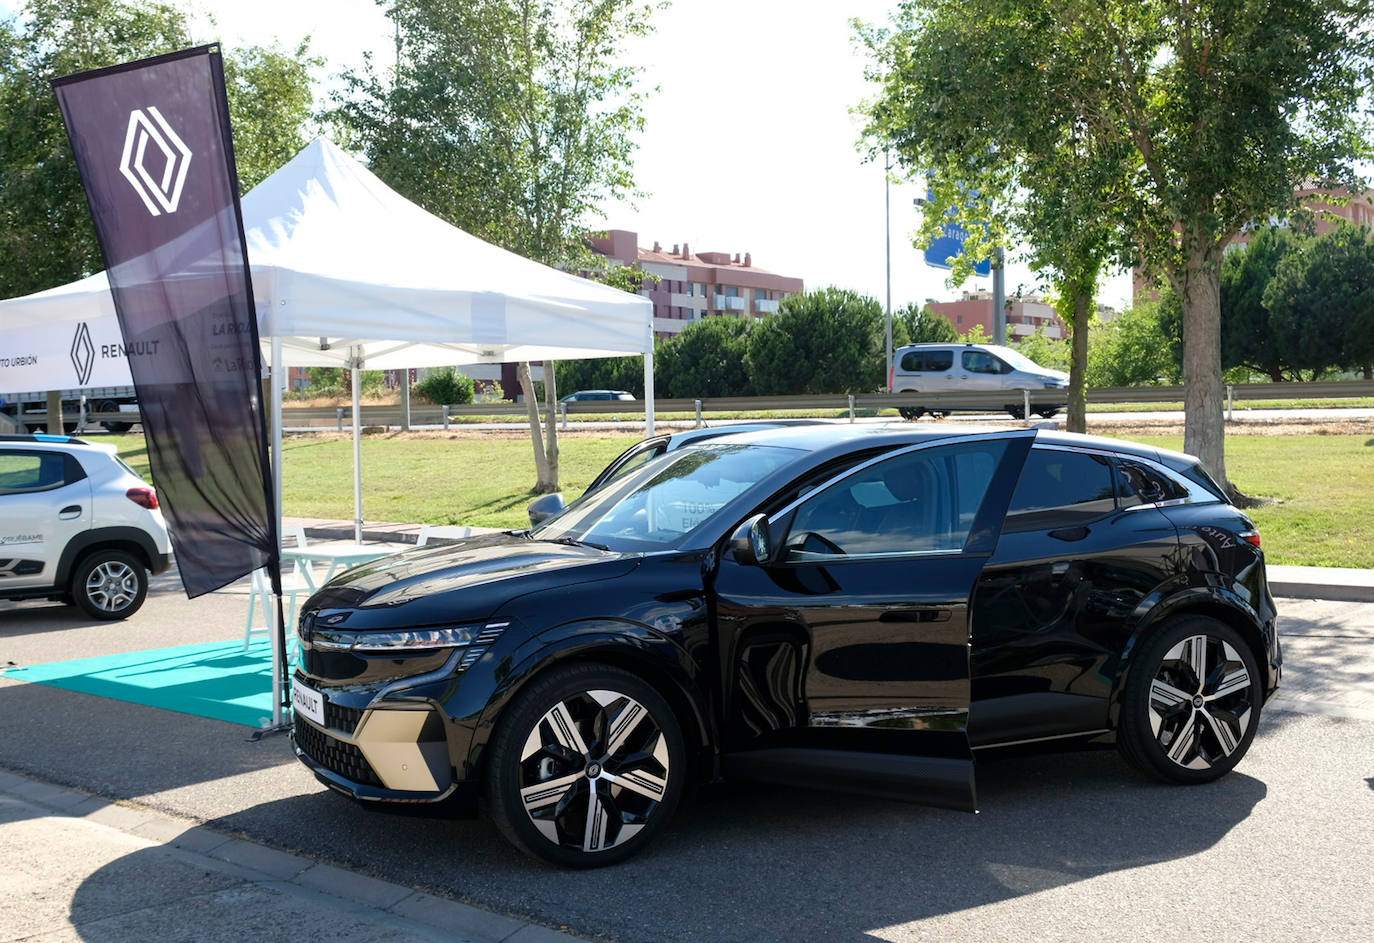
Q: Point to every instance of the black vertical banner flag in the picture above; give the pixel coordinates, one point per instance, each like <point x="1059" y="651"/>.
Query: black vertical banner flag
<point x="153" y="143"/>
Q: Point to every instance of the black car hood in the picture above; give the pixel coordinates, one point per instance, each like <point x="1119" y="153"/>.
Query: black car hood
<point x="461" y="582"/>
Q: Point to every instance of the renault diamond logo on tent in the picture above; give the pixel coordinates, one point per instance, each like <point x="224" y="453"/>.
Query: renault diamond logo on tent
<point x="150" y="127"/>
<point x="83" y="353"/>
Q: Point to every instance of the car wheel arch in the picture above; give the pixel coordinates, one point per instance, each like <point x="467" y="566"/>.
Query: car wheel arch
<point x="626" y="646"/>
<point x="1210" y="602"/>
<point x="127" y="539"/>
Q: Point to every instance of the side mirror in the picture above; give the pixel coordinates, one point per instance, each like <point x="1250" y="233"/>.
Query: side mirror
<point x="750" y="544"/>
<point x="546" y="506"/>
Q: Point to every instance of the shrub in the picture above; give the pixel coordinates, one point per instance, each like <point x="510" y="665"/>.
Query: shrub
<point x="446" y="387"/>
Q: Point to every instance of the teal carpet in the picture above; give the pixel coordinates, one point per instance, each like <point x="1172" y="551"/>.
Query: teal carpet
<point x="218" y="680"/>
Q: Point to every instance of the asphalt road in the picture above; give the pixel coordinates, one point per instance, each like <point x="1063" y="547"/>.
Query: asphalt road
<point x="1071" y="846"/>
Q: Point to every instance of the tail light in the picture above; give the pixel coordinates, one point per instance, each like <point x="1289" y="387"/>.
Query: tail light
<point x="1251" y="536"/>
<point x="143" y="497"/>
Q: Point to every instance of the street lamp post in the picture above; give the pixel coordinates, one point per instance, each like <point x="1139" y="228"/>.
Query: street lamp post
<point x="999" y="297"/>
<point x="887" y="236"/>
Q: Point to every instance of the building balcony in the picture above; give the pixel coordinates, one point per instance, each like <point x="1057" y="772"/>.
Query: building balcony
<point x="766" y="306"/>
<point x="727" y="303"/>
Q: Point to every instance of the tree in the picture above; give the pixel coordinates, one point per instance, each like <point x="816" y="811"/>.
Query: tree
<point x="605" y="373"/>
<point x="271" y="106"/>
<point x="1133" y="349"/>
<point x="972" y="96"/>
<point x="512" y="119"/>
<point x="46" y="235"/>
<point x="708" y="359"/>
<point x="1321" y="302"/>
<point x="826" y="341"/>
<point x="1247" y="336"/>
<point x="924" y="326"/>
<point x="1217" y="110"/>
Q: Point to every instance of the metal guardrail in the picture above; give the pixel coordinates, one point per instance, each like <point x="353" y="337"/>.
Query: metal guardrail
<point x="340" y="417"/>
<point x="992" y="400"/>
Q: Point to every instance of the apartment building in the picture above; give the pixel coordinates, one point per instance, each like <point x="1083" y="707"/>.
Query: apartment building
<point x="694" y="286"/>
<point x="1025" y="315"/>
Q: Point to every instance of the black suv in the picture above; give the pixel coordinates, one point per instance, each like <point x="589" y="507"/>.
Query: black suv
<point x="831" y="606"/>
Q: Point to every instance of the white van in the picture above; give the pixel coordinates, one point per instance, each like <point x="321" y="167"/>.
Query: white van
<point x="956" y="368"/>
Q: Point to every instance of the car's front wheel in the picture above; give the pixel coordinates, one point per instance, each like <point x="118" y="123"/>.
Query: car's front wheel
<point x="109" y="584"/>
<point x="1192" y="702"/>
<point x="587" y="764"/>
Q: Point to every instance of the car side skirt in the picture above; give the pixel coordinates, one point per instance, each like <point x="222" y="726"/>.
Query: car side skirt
<point x="944" y="782"/>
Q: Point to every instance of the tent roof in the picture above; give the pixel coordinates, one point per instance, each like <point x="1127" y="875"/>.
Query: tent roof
<point x="339" y="258"/>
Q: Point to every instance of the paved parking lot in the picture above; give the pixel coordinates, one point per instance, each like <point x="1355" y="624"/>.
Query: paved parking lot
<point x="1066" y="847"/>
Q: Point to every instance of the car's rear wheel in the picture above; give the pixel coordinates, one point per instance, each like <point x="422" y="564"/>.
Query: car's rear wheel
<point x="1192" y="702"/>
<point x="1047" y="413"/>
<point x="1017" y="412"/>
<point x="586" y="766"/>
<point x="910" y="412"/>
<point x="109" y="584"/>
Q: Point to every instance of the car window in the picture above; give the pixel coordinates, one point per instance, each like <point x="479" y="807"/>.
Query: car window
<point x="1060" y="489"/>
<point x="656" y="505"/>
<point x="920" y="502"/>
<point x="927" y="361"/>
<point x="634" y="461"/>
<point x="25" y="472"/>
<point x="1138" y="483"/>
<point x="980" y="361"/>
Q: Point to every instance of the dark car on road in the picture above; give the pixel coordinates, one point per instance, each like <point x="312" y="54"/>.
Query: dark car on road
<point x="830" y="606"/>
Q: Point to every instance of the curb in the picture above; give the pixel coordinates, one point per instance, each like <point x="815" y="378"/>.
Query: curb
<point x="393" y="905"/>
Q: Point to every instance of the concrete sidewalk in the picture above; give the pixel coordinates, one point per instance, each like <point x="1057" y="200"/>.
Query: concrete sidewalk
<point x="1341" y="584"/>
<point x="81" y="868"/>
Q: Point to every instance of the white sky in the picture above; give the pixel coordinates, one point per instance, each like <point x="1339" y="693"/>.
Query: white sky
<point x="749" y="143"/>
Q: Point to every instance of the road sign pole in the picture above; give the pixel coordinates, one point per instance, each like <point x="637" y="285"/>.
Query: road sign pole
<point x="999" y="298"/>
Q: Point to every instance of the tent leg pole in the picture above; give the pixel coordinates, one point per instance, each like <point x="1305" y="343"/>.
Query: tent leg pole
<point x="357" y="452"/>
<point x="277" y="383"/>
<point x="649" y="386"/>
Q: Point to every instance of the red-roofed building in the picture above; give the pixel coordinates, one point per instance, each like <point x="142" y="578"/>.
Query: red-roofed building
<point x="694" y="286"/>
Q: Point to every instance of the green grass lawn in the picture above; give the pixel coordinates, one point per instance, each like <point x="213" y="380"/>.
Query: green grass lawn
<point x="1322" y="486"/>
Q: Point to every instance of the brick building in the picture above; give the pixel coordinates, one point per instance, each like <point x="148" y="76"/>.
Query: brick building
<point x="694" y="286"/>
<point x="1025" y="315"/>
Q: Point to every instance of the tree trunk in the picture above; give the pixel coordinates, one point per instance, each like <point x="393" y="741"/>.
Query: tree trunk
<point x="551" y="424"/>
<point x="1077" y="420"/>
<point x="541" y="462"/>
<point x="1369" y="371"/>
<point x="1204" y="428"/>
<point x="1276" y="374"/>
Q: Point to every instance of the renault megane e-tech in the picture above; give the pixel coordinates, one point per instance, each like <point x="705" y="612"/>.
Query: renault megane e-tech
<point x="832" y="606"/>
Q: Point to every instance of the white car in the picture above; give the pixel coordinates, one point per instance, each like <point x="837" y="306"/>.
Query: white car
<point x="964" y="367"/>
<point x="77" y="525"/>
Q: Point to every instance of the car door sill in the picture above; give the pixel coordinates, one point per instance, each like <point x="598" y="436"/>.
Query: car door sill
<point x="937" y="781"/>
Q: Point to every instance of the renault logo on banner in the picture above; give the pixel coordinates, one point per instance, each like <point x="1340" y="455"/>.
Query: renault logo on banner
<point x="151" y="128"/>
<point x="83" y="353"/>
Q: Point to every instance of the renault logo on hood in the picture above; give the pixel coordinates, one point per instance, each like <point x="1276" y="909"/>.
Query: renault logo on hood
<point x="159" y="186"/>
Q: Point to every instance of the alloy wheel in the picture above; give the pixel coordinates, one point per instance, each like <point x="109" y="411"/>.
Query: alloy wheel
<point x="593" y="770"/>
<point x="1201" y="702"/>
<point x="112" y="586"/>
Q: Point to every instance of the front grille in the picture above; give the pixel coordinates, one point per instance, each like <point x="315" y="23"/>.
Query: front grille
<point x="334" y="755"/>
<point x="338" y="717"/>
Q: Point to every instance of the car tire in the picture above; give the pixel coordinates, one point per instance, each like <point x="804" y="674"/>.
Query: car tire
<point x="1017" y="412"/>
<point x="1047" y="413"/>
<point x="110" y="406"/>
<point x="557" y="731"/>
<point x="1191" y="703"/>
<point x="109" y="584"/>
<point x="910" y="413"/>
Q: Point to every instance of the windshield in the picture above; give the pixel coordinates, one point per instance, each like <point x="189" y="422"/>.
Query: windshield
<point x="656" y="505"/>
<point x="1018" y="360"/>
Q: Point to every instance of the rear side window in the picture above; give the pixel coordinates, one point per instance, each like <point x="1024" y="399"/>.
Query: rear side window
<point x="927" y="361"/>
<point x="1060" y="489"/>
<point x="1140" y="484"/>
<point x="26" y="472"/>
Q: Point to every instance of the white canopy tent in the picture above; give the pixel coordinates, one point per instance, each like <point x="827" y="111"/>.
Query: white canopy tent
<point x="348" y="273"/>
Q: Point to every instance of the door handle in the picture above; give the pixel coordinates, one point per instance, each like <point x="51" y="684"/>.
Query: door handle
<point x="69" y="512"/>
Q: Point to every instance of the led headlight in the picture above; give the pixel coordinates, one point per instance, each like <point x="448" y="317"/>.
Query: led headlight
<point x="398" y="640"/>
